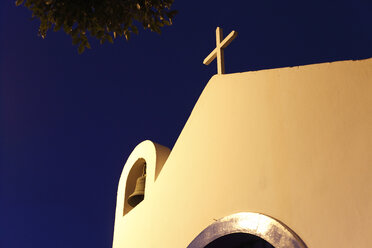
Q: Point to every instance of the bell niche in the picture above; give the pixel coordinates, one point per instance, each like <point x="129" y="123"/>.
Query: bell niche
<point x="139" y="191"/>
<point x="135" y="185"/>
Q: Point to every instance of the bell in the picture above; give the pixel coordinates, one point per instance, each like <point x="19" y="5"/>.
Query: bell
<point x="139" y="192"/>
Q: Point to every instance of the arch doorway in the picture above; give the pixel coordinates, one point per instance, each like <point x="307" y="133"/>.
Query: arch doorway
<point x="239" y="240"/>
<point x="247" y="230"/>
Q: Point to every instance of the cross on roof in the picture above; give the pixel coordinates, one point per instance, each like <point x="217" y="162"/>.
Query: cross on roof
<point x="218" y="51"/>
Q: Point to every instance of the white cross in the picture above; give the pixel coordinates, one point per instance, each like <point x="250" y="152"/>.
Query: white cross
<point x="218" y="51"/>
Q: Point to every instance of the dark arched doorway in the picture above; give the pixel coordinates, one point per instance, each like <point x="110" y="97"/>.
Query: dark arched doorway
<point x="247" y="230"/>
<point x="239" y="240"/>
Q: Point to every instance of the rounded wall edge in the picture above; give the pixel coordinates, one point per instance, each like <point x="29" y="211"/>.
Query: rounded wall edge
<point x="155" y="155"/>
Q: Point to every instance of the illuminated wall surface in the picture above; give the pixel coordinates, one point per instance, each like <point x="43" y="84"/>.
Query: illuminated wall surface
<point x="291" y="143"/>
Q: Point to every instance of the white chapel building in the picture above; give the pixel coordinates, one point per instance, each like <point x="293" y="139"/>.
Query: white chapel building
<point x="272" y="158"/>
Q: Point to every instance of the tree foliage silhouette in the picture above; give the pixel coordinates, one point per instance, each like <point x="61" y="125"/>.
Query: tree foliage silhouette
<point x="104" y="20"/>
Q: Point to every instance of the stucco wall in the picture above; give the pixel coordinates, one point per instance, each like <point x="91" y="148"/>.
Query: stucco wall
<point x="292" y="143"/>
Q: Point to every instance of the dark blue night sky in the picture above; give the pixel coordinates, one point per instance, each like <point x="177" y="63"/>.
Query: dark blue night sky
<point x="68" y="122"/>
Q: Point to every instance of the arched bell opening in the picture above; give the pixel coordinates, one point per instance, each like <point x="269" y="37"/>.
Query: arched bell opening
<point x="135" y="180"/>
<point x="245" y="230"/>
